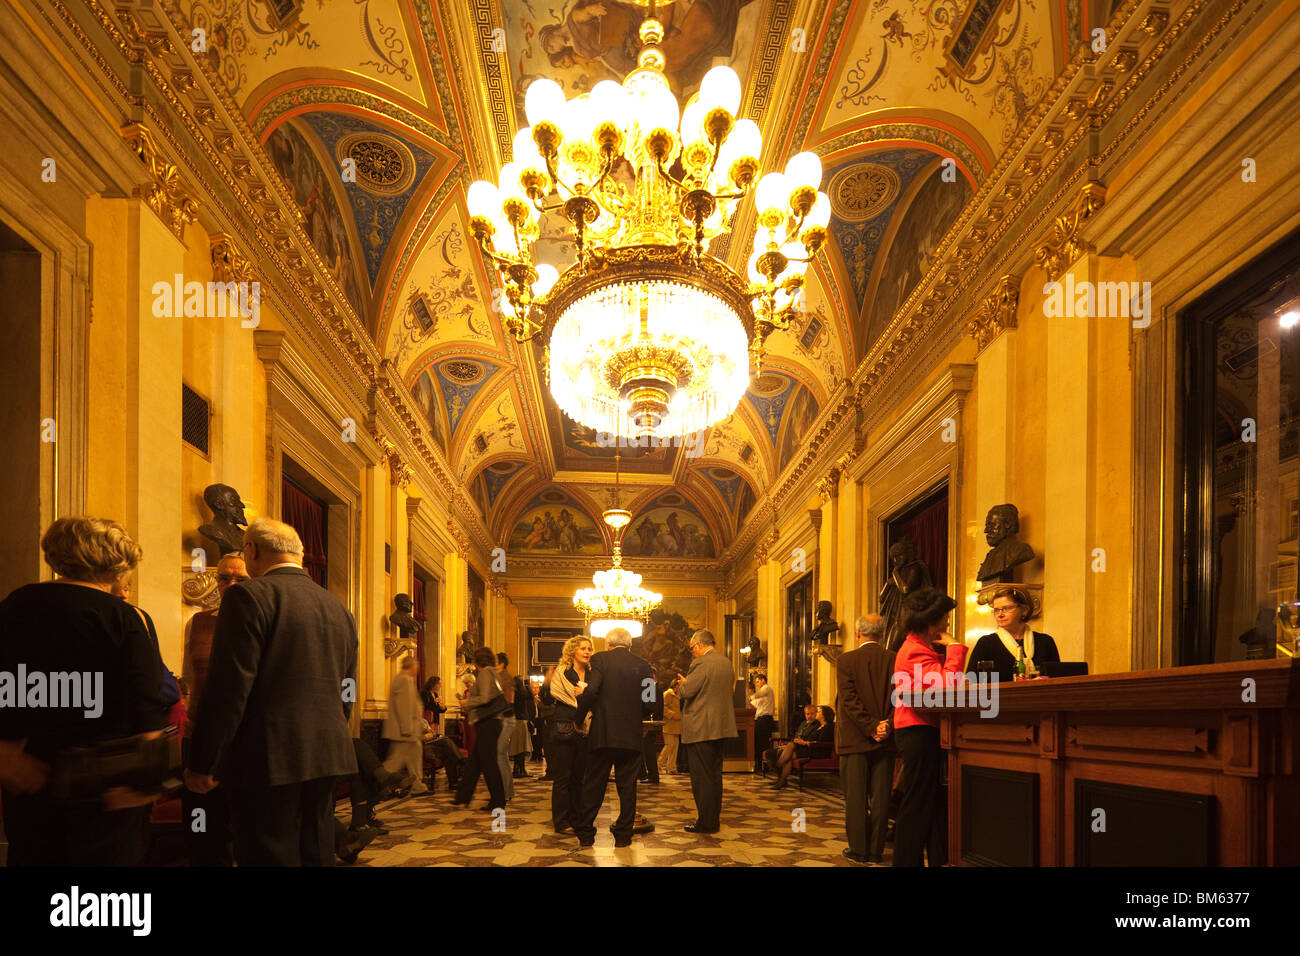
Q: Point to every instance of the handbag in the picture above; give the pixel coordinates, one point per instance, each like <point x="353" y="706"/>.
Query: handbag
<point x="498" y="705"/>
<point x="563" y="730"/>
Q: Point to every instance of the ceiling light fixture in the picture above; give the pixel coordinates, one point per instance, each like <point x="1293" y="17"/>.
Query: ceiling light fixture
<point x="647" y="334"/>
<point x="617" y="600"/>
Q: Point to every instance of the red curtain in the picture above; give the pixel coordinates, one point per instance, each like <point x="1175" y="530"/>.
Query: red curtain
<point x="417" y="598"/>
<point x="307" y="516"/>
<point x="929" y="530"/>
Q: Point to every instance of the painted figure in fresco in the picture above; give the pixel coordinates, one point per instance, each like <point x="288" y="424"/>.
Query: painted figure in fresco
<point x="907" y="572"/>
<point x="607" y="31"/>
<point x="226" y="528"/>
<point x="568" y="532"/>
<point x="1007" y="552"/>
<point x="678" y="535"/>
<point x="666" y="643"/>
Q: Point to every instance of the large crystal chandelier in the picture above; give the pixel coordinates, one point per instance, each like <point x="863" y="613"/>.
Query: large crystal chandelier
<point x="617" y="600"/>
<point x="646" y="333"/>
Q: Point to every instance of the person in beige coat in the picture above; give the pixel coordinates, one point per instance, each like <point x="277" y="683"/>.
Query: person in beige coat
<point x="403" y="727"/>
<point x="672" y="731"/>
<point x="708" y="721"/>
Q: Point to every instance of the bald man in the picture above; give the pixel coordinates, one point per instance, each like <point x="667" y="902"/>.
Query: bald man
<point x="272" y="724"/>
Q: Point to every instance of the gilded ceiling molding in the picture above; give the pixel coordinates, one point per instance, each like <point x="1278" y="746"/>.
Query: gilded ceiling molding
<point x="1065" y="244"/>
<point x="497" y="587"/>
<point x="165" y="194"/>
<point x="829" y="486"/>
<point x="996" y="313"/>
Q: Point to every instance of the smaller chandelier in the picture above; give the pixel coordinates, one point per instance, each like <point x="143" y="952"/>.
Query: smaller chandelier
<point x="617" y="600"/>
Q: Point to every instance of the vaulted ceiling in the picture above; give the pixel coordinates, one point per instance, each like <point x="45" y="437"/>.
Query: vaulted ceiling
<point x="908" y="102"/>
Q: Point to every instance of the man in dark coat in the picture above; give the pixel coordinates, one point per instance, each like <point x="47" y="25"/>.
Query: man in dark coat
<point x="273" y="721"/>
<point x="863" y="738"/>
<point x="620" y="693"/>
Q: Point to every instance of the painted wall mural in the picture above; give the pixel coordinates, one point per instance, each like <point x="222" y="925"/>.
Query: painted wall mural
<point x="911" y="251"/>
<point x="800" y="411"/>
<point x="313" y="191"/>
<point x="666" y="641"/>
<point x="554" y="523"/>
<point x="429" y="397"/>
<point x="388" y="172"/>
<point x="669" y="527"/>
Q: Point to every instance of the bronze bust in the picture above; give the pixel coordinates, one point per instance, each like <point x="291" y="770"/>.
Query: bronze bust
<point x="228" y="522"/>
<point x="465" y="652"/>
<point x="1007" y="552"/>
<point x="821" y="634"/>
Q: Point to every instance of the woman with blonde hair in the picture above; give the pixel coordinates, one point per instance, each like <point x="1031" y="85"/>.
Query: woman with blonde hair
<point x="566" y="761"/>
<point x="74" y="625"/>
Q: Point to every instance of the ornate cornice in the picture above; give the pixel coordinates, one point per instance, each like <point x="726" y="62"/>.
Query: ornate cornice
<point x="165" y="193"/>
<point x="1064" y="243"/>
<point x="996" y="312"/>
<point x="458" y="536"/>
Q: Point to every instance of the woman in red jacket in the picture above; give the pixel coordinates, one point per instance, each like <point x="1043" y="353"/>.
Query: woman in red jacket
<point x="929" y="655"/>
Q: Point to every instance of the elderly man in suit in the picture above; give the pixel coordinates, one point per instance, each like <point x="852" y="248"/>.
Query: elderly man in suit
<point x="273" y="721"/>
<point x="619" y="694"/>
<point x="708" y="721"/>
<point x="864" y="678"/>
<point x="404" y="726"/>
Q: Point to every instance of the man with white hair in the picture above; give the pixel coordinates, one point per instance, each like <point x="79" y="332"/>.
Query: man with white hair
<point x="863" y="739"/>
<point x="273" y="721"/>
<point x="619" y="695"/>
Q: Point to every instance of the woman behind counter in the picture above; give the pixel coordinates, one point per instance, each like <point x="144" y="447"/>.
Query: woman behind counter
<point x="1013" y="641"/>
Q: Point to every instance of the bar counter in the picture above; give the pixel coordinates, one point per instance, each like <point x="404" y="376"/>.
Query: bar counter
<point x="1187" y="766"/>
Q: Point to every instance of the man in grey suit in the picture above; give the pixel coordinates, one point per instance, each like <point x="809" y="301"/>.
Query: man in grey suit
<point x="404" y="726"/>
<point x="273" y="720"/>
<point x="708" y="720"/>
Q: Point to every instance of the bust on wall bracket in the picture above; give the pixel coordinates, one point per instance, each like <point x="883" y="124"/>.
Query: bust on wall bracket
<point x="825" y="627"/>
<point x="405" y="624"/>
<point x="1006" y="551"/>
<point x="226" y="529"/>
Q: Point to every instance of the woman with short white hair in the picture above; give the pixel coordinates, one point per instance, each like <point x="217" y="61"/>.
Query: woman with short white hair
<point x="74" y="625"/>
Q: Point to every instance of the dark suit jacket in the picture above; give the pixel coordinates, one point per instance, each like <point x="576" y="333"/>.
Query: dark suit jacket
<point x="273" y="710"/>
<point x="614" y="696"/>
<point x="864" y="680"/>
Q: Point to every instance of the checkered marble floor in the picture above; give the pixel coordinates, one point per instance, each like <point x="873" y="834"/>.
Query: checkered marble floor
<point x="760" y="827"/>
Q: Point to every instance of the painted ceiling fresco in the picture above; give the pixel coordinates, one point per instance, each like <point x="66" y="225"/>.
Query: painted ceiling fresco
<point x="908" y="102"/>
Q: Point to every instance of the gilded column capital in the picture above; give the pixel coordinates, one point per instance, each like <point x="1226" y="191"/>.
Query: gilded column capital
<point x="1065" y="244"/>
<point x="458" y="536"/>
<point x="228" y="263"/>
<point x="996" y="312"/>
<point x="165" y="193"/>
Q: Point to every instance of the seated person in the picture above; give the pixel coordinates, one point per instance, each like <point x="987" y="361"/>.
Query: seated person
<point x="818" y="728"/>
<point x="440" y="747"/>
<point x="1013" y="640"/>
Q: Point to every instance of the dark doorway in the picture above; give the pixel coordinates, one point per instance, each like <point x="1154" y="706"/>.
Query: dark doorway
<point x="798" y="650"/>
<point x="21" y="416"/>
<point x="924" y="520"/>
<point x="1241" y="468"/>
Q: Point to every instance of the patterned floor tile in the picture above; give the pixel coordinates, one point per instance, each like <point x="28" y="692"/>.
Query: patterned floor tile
<point x="761" y="827"/>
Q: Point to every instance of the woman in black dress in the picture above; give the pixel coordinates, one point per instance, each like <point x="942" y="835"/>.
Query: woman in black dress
<point x="75" y="625"/>
<point x="1013" y="641"/>
<point x="566" y="758"/>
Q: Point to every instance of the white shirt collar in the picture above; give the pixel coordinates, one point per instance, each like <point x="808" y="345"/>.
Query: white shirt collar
<point x="283" y="564"/>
